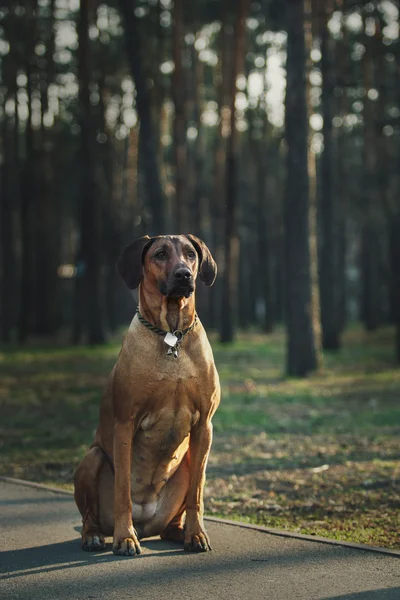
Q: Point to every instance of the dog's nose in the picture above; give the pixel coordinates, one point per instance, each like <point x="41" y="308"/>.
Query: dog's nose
<point x="183" y="274"/>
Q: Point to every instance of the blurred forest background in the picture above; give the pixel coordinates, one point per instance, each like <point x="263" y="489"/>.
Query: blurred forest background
<point x="268" y="128"/>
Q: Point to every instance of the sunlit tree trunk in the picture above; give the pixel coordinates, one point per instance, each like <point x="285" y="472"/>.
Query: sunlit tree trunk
<point x="310" y="29"/>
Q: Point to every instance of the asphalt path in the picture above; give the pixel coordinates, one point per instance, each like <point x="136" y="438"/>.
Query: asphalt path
<point x="41" y="559"/>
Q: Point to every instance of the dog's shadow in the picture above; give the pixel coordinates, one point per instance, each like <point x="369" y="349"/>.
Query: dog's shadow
<point x="68" y="555"/>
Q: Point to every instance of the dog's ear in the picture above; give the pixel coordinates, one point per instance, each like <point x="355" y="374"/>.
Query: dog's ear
<point x="130" y="263"/>
<point x="207" y="265"/>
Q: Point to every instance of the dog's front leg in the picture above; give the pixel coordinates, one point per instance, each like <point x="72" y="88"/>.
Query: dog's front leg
<point x="196" y="538"/>
<point x="125" y="542"/>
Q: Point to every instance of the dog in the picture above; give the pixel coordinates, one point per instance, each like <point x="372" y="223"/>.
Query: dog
<point x="144" y="473"/>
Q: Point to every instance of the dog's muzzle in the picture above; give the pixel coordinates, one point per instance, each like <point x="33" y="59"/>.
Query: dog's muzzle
<point x="180" y="283"/>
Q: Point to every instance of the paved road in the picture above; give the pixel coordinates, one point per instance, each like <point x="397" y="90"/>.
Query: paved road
<point x="40" y="559"/>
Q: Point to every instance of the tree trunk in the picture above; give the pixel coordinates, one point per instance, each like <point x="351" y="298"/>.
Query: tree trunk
<point x="261" y="166"/>
<point x="370" y="277"/>
<point x="88" y="284"/>
<point x="28" y="194"/>
<point x="394" y="241"/>
<point x="341" y="187"/>
<point x="370" y="234"/>
<point x="329" y="287"/>
<point x="47" y="231"/>
<point x="309" y="25"/>
<point x="231" y="244"/>
<point x="301" y="348"/>
<point x="216" y="200"/>
<point x="7" y="233"/>
<point x="111" y="232"/>
<point x="197" y="187"/>
<point x="179" y="123"/>
<point x="395" y="245"/>
<point x="264" y="246"/>
<point x="143" y="106"/>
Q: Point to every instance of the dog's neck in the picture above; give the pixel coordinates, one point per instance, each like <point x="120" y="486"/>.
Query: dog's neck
<point x="169" y="314"/>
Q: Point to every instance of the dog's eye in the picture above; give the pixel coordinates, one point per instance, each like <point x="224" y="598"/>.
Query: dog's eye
<point x="191" y="254"/>
<point x="161" y="254"/>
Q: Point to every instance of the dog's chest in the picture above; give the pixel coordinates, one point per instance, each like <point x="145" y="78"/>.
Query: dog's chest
<point x="162" y="430"/>
<point x="147" y="356"/>
<point x="159" y="446"/>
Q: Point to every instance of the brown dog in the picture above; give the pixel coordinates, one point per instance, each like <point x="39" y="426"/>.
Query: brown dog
<point x="149" y="456"/>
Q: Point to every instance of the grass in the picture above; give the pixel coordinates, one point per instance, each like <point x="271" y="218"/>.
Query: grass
<point x="317" y="456"/>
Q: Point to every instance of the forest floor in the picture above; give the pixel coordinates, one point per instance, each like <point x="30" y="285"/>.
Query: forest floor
<point x="317" y="456"/>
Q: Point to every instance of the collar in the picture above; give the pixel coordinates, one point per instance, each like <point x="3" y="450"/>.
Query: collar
<point x="172" y="339"/>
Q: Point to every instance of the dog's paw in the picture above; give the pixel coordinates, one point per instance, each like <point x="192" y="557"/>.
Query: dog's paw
<point x="197" y="542"/>
<point x="93" y="543"/>
<point x="128" y="546"/>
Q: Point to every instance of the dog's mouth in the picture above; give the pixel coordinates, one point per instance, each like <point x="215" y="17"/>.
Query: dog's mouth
<point x="176" y="290"/>
<point x="183" y="290"/>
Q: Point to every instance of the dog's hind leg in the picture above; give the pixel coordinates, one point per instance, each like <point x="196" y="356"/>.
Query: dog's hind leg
<point x="175" y="496"/>
<point x="175" y="531"/>
<point x="86" y="494"/>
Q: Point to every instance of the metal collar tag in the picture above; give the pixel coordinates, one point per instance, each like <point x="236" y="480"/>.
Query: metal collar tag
<point x="170" y="339"/>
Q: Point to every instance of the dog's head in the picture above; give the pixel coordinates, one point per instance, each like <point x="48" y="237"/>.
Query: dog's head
<point x="170" y="262"/>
